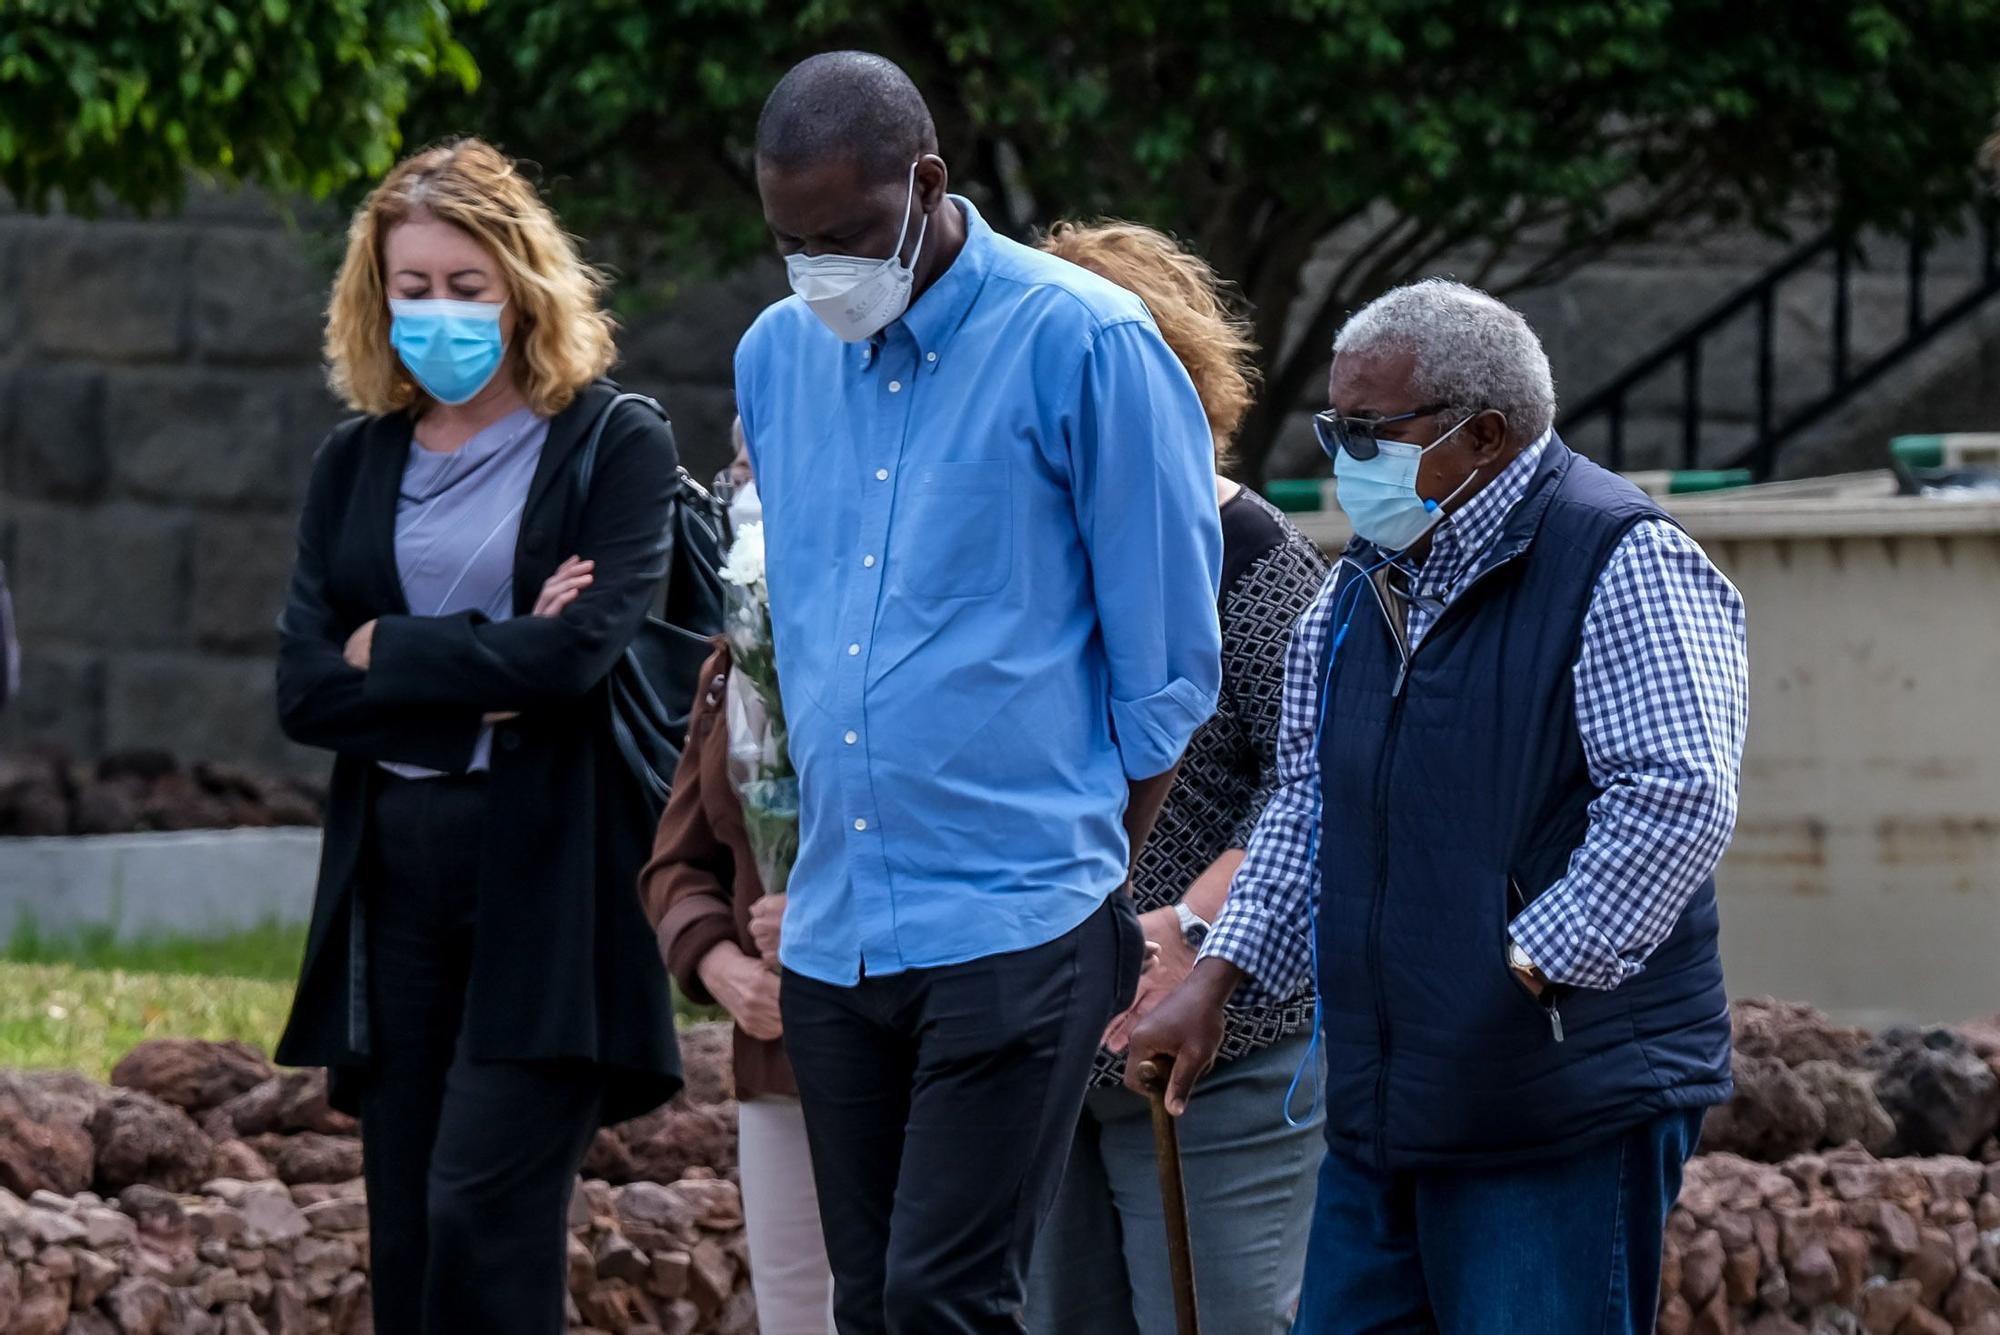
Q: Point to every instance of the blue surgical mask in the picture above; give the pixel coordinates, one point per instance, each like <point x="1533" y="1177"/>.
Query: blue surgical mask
<point x="1380" y="496"/>
<point x="453" y="348"/>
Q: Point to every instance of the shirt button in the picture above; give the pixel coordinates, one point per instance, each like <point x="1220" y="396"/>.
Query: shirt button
<point x="868" y="561"/>
<point x="852" y="737"/>
<point x="881" y="475"/>
<point x="930" y="356"/>
<point x="895" y="387"/>
<point x="853" y="649"/>
<point x="860" y="824"/>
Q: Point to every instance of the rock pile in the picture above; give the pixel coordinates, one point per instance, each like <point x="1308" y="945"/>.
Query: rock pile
<point x="1803" y="1084"/>
<point x="1835" y="1244"/>
<point x="1852" y="1188"/>
<point x="208" y="1193"/>
<point x="47" y="793"/>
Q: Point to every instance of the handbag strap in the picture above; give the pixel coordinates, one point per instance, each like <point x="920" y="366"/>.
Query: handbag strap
<point x="586" y="459"/>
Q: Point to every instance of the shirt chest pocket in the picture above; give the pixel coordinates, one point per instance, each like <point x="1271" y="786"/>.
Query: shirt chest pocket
<point x="954" y="532"/>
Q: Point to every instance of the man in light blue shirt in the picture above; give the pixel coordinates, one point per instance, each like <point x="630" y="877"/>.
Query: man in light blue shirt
<point x="993" y="551"/>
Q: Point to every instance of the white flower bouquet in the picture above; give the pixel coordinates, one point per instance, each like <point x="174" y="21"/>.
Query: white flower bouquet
<point x="760" y="763"/>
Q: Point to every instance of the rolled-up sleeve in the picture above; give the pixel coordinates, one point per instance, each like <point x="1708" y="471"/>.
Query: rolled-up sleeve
<point x="1143" y="475"/>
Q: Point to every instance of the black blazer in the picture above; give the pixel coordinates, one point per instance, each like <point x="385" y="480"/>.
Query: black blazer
<point x="564" y="966"/>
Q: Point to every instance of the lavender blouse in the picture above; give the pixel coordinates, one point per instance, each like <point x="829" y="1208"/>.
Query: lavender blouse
<point x="458" y="517"/>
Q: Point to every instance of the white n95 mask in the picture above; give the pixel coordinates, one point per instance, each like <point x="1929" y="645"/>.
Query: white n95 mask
<point x="857" y="297"/>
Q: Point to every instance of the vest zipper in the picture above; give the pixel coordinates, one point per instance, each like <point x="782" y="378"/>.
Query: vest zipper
<point x="1377" y="904"/>
<point x="1405" y="653"/>
<point x="1382" y="1039"/>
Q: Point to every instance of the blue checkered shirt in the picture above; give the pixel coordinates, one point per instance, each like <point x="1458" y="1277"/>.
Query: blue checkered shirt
<point x="1662" y="692"/>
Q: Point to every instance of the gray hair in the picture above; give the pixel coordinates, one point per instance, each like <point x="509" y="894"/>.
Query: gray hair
<point x="1472" y="351"/>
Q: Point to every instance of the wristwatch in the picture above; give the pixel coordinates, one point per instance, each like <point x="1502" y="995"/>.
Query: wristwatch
<point x="1193" y="929"/>
<point x="1518" y="961"/>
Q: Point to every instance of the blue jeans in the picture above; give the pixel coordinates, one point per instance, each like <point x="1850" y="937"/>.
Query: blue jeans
<point x="1100" y="1265"/>
<point x="1560" y="1247"/>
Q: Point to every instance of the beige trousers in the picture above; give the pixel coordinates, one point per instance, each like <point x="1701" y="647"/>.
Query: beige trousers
<point x="788" y="1269"/>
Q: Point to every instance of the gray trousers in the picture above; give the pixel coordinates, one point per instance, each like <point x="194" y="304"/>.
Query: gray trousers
<point x="1100" y="1264"/>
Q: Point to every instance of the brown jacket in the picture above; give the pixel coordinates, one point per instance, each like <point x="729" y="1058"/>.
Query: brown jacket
<point x="702" y="880"/>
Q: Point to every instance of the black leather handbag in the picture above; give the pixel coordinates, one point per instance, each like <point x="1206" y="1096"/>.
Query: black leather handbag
<point x="653" y="684"/>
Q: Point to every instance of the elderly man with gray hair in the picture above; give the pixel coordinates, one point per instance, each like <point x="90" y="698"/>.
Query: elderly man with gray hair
<point x="1508" y="765"/>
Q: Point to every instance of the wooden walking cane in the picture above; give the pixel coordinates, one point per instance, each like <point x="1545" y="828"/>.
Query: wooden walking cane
<point x="1173" y="1194"/>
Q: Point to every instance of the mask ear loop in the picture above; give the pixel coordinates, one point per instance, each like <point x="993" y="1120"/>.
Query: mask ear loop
<point x="1310" y="1061"/>
<point x="909" y="206"/>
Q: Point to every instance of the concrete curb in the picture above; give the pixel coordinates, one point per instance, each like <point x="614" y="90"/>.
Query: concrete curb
<point x="198" y="883"/>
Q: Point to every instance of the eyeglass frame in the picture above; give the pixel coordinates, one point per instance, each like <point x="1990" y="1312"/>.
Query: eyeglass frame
<point x="1330" y="425"/>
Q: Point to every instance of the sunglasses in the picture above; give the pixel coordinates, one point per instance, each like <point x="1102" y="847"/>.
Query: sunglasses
<point x="1356" y="435"/>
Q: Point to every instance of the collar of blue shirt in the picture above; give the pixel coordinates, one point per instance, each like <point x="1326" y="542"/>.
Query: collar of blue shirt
<point x="936" y="315"/>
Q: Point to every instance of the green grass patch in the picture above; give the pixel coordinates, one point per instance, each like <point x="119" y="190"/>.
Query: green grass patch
<point x="60" y="1015"/>
<point x="271" y="952"/>
<point x="84" y="999"/>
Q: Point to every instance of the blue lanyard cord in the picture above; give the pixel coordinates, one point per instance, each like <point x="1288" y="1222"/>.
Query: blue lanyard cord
<point x="1310" y="1061"/>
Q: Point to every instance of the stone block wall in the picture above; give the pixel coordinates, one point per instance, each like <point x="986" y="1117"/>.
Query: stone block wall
<point x="161" y="396"/>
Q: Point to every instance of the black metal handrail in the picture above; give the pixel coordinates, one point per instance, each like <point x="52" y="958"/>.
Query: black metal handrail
<point x="1760" y="296"/>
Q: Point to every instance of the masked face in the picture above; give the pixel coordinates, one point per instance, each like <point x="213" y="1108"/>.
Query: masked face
<point x="857" y="297"/>
<point x="744" y="507"/>
<point x="450" y="321"/>
<point x="1380" y="497"/>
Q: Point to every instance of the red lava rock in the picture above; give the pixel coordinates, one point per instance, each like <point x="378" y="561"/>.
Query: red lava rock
<point x="1847" y="1099"/>
<point x="1893" y="1225"/>
<point x="40" y="1150"/>
<point x="711" y="1276"/>
<point x="139" y="1139"/>
<point x="237" y="1160"/>
<point x="1922" y="1322"/>
<point x="1974" y="1298"/>
<point x="291" y="1102"/>
<point x="1812" y="1275"/>
<point x="1741" y="1271"/>
<point x="1949" y="1178"/>
<point x="1770" y="1117"/>
<point x="1714" y="1317"/>
<point x="609" y="1157"/>
<point x="1850" y="1250"/>
<point x="1793" y="1033"/>
<point x="706" y="1064"/>
<point x="1884" y="1307"/>
<point x="669" y="1143"/>
<point x="1774" y="1323"/>
<point x="192" y="1074"/>
<point x="1934" y="1264"/>
<point x="1675" y="1318"/>
<point x="310" y="1157"/>
<point x="582" y="1266"/>
<point x="1943" y="1096"/>
<point x="140" y="1306"/>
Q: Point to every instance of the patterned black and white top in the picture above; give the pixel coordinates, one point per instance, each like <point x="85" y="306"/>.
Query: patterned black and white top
<point x="1270" y="575"/>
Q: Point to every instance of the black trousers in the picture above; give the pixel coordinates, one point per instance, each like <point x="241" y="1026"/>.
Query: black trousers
<point x="939" y="1108"/>
<point x="469" y="1165"/>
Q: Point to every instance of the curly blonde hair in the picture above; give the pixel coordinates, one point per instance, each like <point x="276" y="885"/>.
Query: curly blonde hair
<point x="1190" y="303"/>
<point x="563" y="338"/>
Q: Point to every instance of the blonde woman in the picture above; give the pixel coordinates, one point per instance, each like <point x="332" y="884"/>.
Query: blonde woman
<point x="1100" y="1266"/>
<point x="478" y="975"/>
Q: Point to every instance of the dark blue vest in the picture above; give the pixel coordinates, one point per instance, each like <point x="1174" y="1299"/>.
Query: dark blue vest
<point x="1453" y="791"/>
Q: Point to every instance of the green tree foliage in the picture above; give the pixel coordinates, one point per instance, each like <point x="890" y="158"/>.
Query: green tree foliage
<point x="121" y="99"/>
<point x="1385" y="134"/>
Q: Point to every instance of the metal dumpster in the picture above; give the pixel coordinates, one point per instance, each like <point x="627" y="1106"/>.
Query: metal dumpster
<point x="1865" y="874"/>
